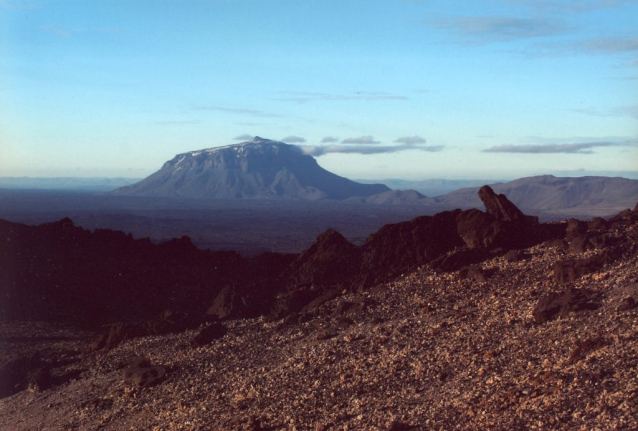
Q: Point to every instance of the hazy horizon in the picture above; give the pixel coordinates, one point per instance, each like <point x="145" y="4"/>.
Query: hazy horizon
<point x="379" y="89"/>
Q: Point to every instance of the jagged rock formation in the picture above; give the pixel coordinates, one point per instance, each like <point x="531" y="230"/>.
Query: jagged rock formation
<point x="60" y="271"/>
<point x="257" y="169"/>
<point x="499" y="206"/>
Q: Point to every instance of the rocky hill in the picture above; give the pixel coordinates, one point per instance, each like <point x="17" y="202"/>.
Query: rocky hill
<point x="257" y="169"/>
<point x="462" y="320"/>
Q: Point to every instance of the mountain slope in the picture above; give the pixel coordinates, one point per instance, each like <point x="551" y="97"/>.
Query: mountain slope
<point x="257" y="169"/>
<point x="592" y="196"/>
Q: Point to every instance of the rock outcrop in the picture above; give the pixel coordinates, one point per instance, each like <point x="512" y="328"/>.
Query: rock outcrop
<point x="498" y="206"/>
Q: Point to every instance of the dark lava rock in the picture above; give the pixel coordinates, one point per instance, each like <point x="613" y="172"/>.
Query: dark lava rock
<point x="499" y="206"/>
<point x="348" y="308"/>
<point x="458" y="259"/>
<point x="627" y="303"/>
<point x="140" y="373"/>
<point x="574" y="228"/>
<point x="514" y="256"/>
<point x="171" y="321"/>
<point x="331" y="261"/>
<point x="561" y="304"/>
<point x="228" y="304"/>
<point x="580" y="244"/>
<point x="168" y="322"/>
<point x="326" y="334"/>
<point x="208" y="334"/>
<point x="39" y="379"/>
<point x="17" y="371"/>
<point x="128" y="278"/>
<point x="397" y="248"/>
<point x="399" y="426"/>
<point x="554" y="243"/>
<point x="597" y="224"/>
<point x="320" y="300"/>
<point x="583" y="348"/>
<point x="567" y="271"/>
<point x="481" y="230"/>
<point x="117" y="333"/>
<point x="472" y="273"/>
<point x="343" y="323"/>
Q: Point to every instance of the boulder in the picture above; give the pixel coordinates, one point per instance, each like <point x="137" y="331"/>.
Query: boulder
<point x="17" y="371"/>
<point x="570" y="270"/>
<point x="472" y="273"/>
<point x="514" y="256"/>
<point x="561" y="304"/>
<point x="208" y="334"/>
<point x="580" y="244"/>
<point x="141" y="374"/>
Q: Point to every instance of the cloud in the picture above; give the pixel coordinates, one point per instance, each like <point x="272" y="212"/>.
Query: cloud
<point x="293" y="139"/>
<point x="618" y="111"/>
<point x="249" y="112"/>
<point x="307" y="96"/>
<point x="410" y="140"/>
<point x="244" y="137"/>
<point x="489" y="29"/>
<point x="364" y="149"/>
<point x="329" y="139"/>
<point x="554" y="6"/>
<point x="628" y="111"/>
<point x="608" y="45"/>
<point x="578" y="148"/>
<point x="364" y="140"/>
<point x="18" y="5"/>
<point x="592" y="46"/>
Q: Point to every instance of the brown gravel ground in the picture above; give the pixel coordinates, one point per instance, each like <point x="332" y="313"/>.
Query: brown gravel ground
<point x="430" y="351"/>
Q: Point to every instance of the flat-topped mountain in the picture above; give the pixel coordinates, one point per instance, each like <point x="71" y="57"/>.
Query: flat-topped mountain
<point x="257" y="169"/>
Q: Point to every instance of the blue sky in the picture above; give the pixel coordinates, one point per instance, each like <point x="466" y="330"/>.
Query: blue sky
<point x="375" y="89"/>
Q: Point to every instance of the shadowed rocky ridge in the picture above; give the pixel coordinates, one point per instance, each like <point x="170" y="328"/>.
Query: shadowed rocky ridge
<point x="60" y="271"/>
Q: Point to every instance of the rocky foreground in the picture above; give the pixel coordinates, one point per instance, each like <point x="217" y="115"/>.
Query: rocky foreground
<point x="543" y="337"/>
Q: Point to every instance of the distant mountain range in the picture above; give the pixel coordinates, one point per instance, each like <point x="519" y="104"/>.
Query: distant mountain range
<point x="96" y="184"/>
<point x="430" y="187"/>
<point x="547" y="194"/>
<point x="267" y="169"/>
<point x="257" y="169"/>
